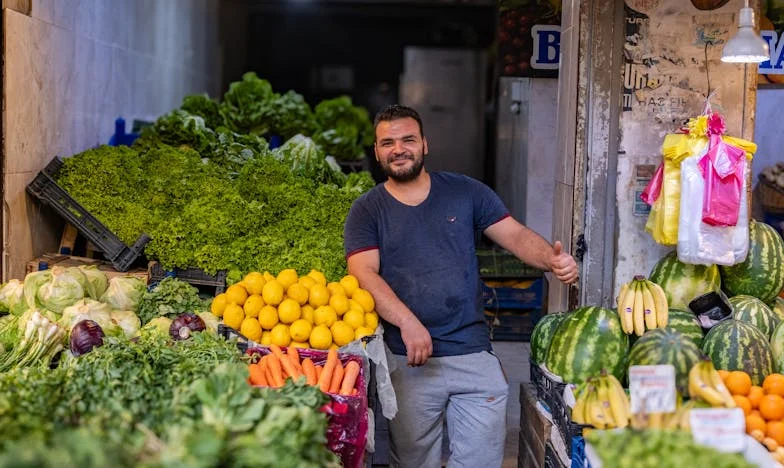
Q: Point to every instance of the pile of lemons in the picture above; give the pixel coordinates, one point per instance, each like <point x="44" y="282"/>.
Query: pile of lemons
<point x="303" y="311"/>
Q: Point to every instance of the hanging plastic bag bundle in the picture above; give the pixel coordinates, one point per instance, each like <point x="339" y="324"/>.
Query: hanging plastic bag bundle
<point x="722" y="168"/>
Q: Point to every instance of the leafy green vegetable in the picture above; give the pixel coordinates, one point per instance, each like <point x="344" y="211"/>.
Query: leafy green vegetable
<point x="306" y="159"/>
<point x="344" y="129"/>
<point x="204" y="107"/>
<point x="180" y="127"/>
<point x="292" y="116"/>
<point x="248" y="105"/>
<point x="170" y="298"/>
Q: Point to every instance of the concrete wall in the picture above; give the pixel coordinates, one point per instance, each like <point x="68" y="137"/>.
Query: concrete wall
<point x="70" y="68"/>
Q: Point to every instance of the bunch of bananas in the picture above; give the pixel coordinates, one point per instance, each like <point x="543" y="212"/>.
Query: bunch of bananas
<point x="679" y="420"/>
<point x="705" y="383"/>
<point x="642" y="305"/>
<point x="602" y="403"/>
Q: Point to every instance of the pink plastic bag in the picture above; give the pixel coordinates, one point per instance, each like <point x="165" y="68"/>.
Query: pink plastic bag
<point x="654" y="187"/>
<point x="722" y="168"/>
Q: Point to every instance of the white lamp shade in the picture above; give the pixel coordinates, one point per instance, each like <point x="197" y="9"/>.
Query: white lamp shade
<point x="746" y="46"/>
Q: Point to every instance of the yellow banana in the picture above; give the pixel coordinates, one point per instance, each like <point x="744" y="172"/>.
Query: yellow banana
<point x="619" y="299"/>
<point x="626" y="308"/>
<point x="685" y="414"/>
<point x="619" y="402"/>
<point x="594" y="408"/>
<point x="699" y="388"/>
<point x="649" y="308"/>
<point x="662" y="307"/>
<point x="655" y="420"/>
<point x="639" y="313"/>
<point x="712" y="378"/>
<point x="578" y="411"/>
<point x="603" y="392"/>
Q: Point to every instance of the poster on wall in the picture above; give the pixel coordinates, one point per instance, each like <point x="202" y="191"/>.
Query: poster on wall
<point x="771" y="29"/>
<point x="529" y="37"/>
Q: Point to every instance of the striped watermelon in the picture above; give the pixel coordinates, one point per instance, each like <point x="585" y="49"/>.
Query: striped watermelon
<point x="587" y="341"/>
<point x="667" y="346"/>
<point x="683" y="282"/>
<point x="777" y="345"/>
<point x="736" y="345"/>
<point x="686" y="322"/>
<point x="752" y="310"/>
<point x="543" y="334"/>
<point x="762" y="273"/>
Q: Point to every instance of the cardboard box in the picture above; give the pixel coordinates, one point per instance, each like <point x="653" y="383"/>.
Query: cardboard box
<point x="69" y="261"/>
<point x="534" y="428"/>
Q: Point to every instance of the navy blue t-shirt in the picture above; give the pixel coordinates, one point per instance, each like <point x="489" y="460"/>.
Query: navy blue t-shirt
<point x="428" y="257"/>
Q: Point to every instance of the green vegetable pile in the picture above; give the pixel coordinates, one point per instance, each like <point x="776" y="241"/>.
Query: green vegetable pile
<point x="158" y="403"/>
<point x="204" y="185"/>
<point x="170" y="298"/>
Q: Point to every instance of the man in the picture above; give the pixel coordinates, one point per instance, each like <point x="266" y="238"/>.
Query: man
<point x="411" y="242"/>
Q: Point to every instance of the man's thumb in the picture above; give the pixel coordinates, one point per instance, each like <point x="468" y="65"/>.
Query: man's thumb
<point x="557" y="248"/>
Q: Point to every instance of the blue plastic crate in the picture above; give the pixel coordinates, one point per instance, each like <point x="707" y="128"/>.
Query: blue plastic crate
<point x="532" y="297"/>
<point x="120" y="137"/>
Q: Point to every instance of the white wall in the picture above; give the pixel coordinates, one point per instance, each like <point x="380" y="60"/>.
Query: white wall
<point x="73" y="66"/>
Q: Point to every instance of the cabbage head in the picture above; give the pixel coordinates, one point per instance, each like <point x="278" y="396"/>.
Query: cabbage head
<point x="210" y="321"/>
<point x="124" y="293"/>
<point x="12" y="297"/>
<point x="158" y="325"/>
<point x="88" y="309"/>
<point x="54" y="289"/>
<point x="95" y="281"/>
<point x="128" y="321"/>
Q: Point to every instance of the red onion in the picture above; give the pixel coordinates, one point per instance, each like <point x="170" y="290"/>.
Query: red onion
<point x="184" y="325"/>
<point x="85" y="336"/>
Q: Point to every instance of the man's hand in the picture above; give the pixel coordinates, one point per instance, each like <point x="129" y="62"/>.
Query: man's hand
<point x="419" y="345"/>
<point x="563" y="265"/>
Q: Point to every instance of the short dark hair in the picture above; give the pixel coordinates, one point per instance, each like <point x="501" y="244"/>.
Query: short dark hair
<point x="395" y="112"/>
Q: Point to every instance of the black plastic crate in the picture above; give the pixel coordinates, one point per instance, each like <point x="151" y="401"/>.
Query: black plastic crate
<point x="114" y="250"/>
<point x="532" y="297"/>
<point x="192" y="276"/>
<point x="562" y="418"/>
<point x="551" y="460"/>
<point x="545" y="386"/>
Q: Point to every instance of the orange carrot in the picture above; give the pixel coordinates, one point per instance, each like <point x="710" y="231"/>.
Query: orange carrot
<point x="319" y="370"/>
<point x="273" y="364"/>
<point x="337" y="378"/>
<point x="285" y="362"/>
<point x="310" y="371"/>
<point x="257" y="375"/>
<point x="350" y="378"/>
<point x="329" y="368"/>
<point x="293" y="354"/>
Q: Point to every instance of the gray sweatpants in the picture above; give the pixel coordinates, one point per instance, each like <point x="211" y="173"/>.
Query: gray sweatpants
<point x="470" y="391"/>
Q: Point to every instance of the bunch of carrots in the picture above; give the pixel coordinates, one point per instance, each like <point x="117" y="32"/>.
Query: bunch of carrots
<point x="274" y="368"/>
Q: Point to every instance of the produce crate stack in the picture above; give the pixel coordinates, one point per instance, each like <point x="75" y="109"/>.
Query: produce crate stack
<point x="514" y="295"/>
<point x="215" y="284"/>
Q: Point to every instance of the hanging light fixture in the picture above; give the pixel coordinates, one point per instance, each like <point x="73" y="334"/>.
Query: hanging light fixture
<point x="746" y="46"/>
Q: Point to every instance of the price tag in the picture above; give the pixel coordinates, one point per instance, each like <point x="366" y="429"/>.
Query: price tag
<point x="652" y="388"/>
<point x="721" y="428"/>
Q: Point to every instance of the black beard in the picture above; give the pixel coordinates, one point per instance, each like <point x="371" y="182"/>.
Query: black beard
<point x="407" y="176"/>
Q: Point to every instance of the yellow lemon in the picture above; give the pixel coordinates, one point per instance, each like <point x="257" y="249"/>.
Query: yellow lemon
<point x="298" y="292"/>
<point x="354" y="318"/>
<point x="306" y="281"/>
<point x="272" y="292"/>
<point x="342" y="333"/>
<point x="318" y="276"/>
<point x="300" y="344"/>
<point x="300" y="330"/>
<point x="364" y="299"/>
<point x="320" y="337"/>
<point x="339" y="302"/>
<point x="266" y="338"/>
<point x="251" y="329"/>
<point x="233" y="315"/>
<point x="218" y="304"/>
<point x="354" y="305"/>
<point x="362" y="331"/>
<point x="307" y="313"/>
<point x="253" y="305"/>
<point x="289" y="311"/>
<point x="236" y="294"/>
<point x="336" y="288"/>
<point x="371" y="320"/>
<point x="319" y="295"/>
<point x="268" y="317"/>
<point x="350" y="284"/>
<point x="287" y="277"/>
<point x="253" y="282"/>
<point x="279" y="335"/>
<point x="325" y="315"/>
<point x="268" y="276"/>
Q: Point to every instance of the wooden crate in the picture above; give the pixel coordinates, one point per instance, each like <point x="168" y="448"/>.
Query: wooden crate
<point x="534" y="429"/>
<point x="71" y="261"/>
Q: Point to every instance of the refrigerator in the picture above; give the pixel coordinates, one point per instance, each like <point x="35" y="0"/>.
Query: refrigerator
<point x="447" y="89"/>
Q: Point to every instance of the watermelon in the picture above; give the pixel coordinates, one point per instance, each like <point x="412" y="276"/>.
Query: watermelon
<point x="543" y="334"/>
<point x="754" y="311"/>
<point x="587" y="341"/>
<point x="683" y="282"/>
<point x="686" y="322"/>
<point x="737" y="345"/>
<point x="777" y="345"/>
<point x="667" y="346"/>
<point x="762" y="273"/>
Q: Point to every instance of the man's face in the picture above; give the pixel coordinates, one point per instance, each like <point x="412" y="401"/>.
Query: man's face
<point x="400" y="149"/>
